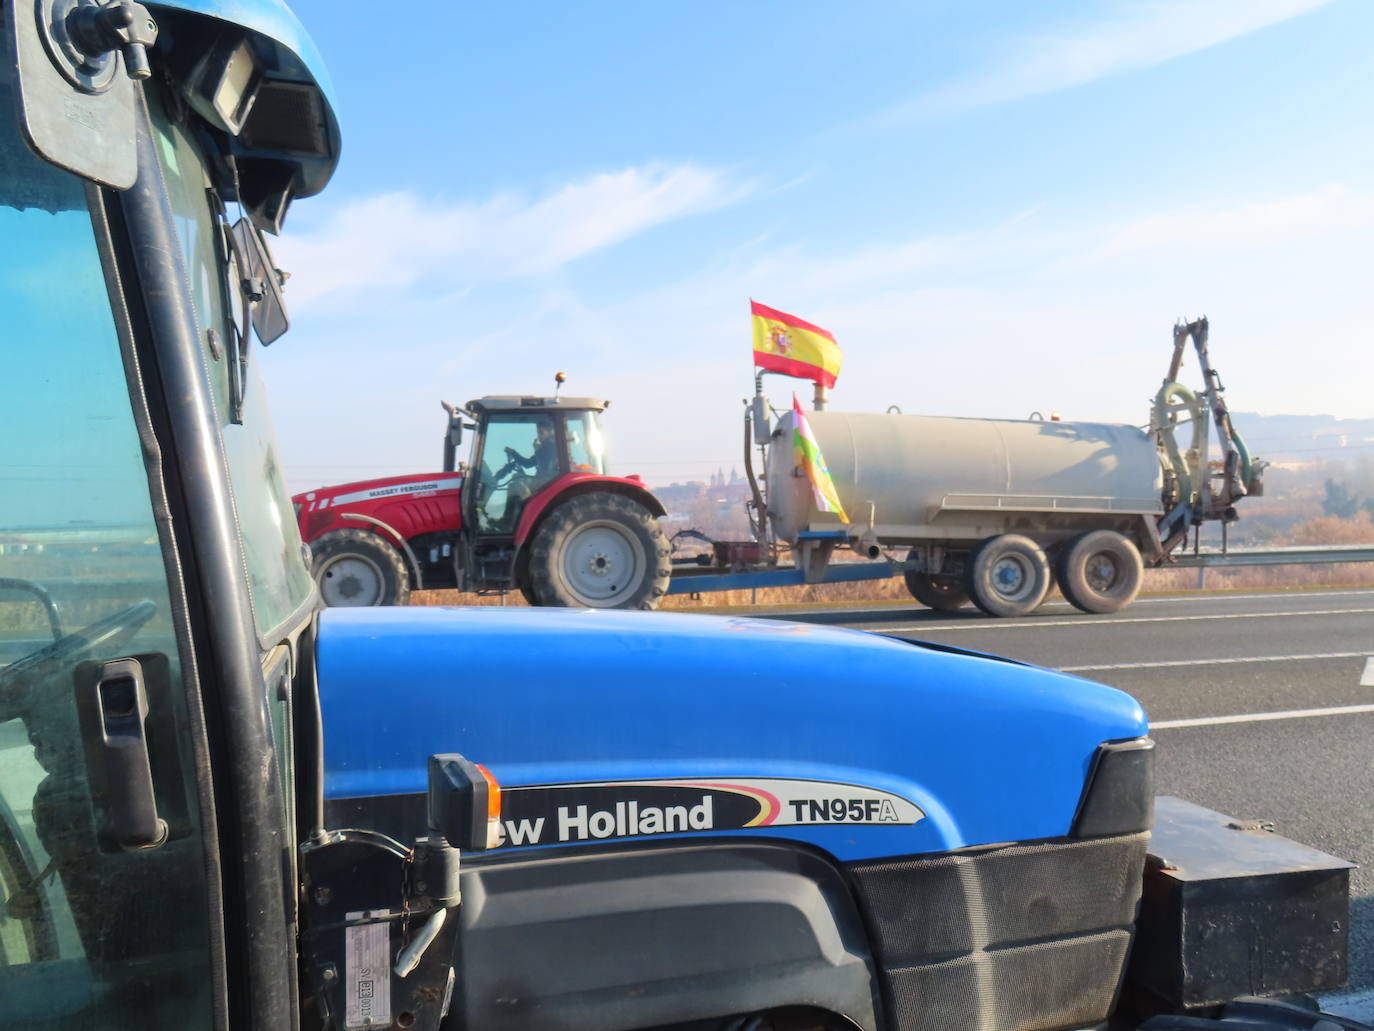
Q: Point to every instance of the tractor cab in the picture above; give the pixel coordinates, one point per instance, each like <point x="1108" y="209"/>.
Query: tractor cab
<point x="522" y="445"/>
<point x="538" y="511"/>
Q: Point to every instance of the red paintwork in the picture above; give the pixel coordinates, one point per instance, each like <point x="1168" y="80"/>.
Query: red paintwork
<point x="431" y="511"/>
<point x="409" y="514"/>
<point x="555" y="491"/>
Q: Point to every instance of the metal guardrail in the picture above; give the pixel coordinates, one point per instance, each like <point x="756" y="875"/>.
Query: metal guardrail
<point x="1321" y="555"/>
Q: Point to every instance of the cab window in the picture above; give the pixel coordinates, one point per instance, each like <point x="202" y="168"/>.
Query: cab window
<point x="82" y="584"/>
<point x="521" y="454"/>
<point x="586" y="450"/>
<point x="279" y="580"/>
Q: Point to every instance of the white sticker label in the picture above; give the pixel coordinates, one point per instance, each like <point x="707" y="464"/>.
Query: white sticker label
<point x="368" y="970"/>
<point x="376" y="493"/>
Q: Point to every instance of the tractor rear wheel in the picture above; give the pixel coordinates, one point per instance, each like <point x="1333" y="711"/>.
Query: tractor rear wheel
<point x="1100" y="571"/>
<point x="356" y="567"/>
<point x="944" y="593"/>
<point x="600" y="551"/>
<point x="1009" y="575"/>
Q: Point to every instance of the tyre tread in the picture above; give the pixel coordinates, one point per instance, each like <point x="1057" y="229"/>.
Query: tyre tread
<point x="584" y="508"/>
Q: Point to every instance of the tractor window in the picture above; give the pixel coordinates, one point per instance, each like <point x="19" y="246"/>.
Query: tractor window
<point x="279" y="581"/>
<point x="82" y="582"/>
<point x="520" y="455"/>
<point x="586" y="451"/>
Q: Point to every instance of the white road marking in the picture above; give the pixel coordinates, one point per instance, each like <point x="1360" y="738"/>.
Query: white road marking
<point x="1007" y="624"/>
<point x="1216" y="662"/>
<point x="1367" y="677"/>
<point x="1260" y="717"/>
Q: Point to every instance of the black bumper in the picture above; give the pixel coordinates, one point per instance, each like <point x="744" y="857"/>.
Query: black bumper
<point x="1017" y="938"/>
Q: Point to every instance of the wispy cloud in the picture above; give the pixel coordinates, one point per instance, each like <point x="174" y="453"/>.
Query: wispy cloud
<point x="395" y="241"/>
<point x="1129" y="36"/>
<point x="1258" y="223"/>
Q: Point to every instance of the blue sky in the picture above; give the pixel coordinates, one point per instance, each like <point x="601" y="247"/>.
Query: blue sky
<point x="995" y="207"/>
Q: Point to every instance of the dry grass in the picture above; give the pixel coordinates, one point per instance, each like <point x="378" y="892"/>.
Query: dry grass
<point x="1323" y="530"/>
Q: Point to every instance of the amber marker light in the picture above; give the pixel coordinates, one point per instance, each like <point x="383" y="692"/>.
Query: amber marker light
<point x="493" y="806"/>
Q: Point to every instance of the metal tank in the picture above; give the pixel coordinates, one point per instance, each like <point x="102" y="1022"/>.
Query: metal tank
<point x="905" y="479"/>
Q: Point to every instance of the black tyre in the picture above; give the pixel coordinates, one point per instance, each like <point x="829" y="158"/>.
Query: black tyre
<point x="526" y="588"/>
<point x="1008" y="576"/>
<point x="945" y="593"/>
<point x="356" y="567"/>
<point x="1100" y="571"/>
<point x="600" y="551"/>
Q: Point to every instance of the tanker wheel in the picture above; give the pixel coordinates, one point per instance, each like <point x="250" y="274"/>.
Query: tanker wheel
<point x="944" y="593"/>
<point x="1100" y="571"/>
<point x="1009" y="575"/>
<point x="600" y="551"/>
<point x="356" y="567"/>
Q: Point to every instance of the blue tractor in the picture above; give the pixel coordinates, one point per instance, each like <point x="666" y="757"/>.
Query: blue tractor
<point x="221" y="807"/>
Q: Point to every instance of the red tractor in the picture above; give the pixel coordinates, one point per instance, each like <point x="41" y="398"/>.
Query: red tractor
<point x="533" y="510"/>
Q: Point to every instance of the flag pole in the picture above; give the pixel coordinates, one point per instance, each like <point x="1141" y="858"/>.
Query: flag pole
<point x="818" y="403"/>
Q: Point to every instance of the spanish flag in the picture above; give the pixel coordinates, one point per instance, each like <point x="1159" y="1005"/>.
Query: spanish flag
<point x="784" y="343"/>
<point x="807" y="452"/>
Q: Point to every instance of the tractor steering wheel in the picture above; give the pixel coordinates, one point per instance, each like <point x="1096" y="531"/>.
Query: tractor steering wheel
<point x="20" y="676"/>
<point x="510" y="469"/>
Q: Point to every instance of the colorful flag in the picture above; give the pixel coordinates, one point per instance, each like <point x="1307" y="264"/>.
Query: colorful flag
<point x="809" y="457"/>
<point x="784" y="343"/>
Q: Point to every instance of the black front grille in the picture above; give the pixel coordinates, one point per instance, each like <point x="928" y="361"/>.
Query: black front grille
<point x="1019" y="938"/>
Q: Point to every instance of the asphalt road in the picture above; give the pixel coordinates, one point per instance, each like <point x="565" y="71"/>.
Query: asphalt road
<point x="1256" y="703"/>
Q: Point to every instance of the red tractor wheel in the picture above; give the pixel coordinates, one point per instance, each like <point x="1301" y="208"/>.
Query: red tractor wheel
<point x="356" y="567"/>
<point x="600" y="551"/>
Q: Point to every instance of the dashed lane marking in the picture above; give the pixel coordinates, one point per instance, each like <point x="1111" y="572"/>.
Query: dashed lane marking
<point x="1260" y="717"/>
<point x="1032" y="624"/>
<point x="1218" y="662"/>
<point x="1367" y="677"/>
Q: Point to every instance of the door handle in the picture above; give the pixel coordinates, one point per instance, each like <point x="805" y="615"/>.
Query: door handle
<point x="122" y="708"/>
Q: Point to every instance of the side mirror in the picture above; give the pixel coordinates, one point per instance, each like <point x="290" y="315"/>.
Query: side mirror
<point x="74" y="64"/>
<point x="263" y="280"/>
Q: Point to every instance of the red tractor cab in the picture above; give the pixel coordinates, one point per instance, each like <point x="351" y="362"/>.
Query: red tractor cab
<point x="533" y="509"/>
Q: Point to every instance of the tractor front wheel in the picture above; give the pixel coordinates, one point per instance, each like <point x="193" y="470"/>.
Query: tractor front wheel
<point x="356" y="567"/>
<point x="600" y="551"/>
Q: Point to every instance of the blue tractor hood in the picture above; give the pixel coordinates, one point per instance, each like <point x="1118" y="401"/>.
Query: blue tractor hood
<point x="861" y="745"/>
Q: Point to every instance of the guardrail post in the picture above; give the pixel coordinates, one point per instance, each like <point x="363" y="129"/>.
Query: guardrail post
<point x="1202" y="578"/>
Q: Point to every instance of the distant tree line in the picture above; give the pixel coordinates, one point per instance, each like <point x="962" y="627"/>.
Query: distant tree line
<point x="1343" y="503"/>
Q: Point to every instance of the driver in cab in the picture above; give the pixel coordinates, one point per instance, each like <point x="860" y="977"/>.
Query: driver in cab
<point x="543" y="460"/>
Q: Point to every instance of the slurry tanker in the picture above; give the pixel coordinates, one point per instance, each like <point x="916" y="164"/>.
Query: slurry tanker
<point x="992" y="510"/>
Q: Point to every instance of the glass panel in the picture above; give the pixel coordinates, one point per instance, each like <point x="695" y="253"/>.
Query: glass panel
<point x="90" y="936"/>
<point x="278" y="578"/>
<point x="586" y="450"/>
<point x="519" y="456"/>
